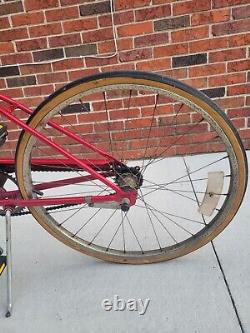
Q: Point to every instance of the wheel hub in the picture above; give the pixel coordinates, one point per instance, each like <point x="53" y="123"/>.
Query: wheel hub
<point x="129" y="179"/>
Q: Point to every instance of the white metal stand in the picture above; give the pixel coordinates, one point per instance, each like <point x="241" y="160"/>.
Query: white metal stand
<point x="8" y="262"/>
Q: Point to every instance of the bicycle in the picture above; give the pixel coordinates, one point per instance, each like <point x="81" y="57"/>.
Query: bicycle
<point x="116" y="137"/>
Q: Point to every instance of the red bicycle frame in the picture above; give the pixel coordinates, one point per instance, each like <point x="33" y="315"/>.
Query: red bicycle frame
<point x="12" y="198"/>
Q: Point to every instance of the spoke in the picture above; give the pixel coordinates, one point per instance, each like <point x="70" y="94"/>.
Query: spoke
<point x="103" y="226"/>
<point x="179" y="178"/>
<point x="174" y="120"/>
<point x="90" y="219"/>
<point x="150" y="219"/>
<point x="130" y="224"/>
<point x="116" y="231"/>
<point x="177" y="224"/>
<point x="123" y="233"/>
<point x="106" y="109"/>
<point x="198" y="179"/>
<point x="70" y="168"/>
<point x="78" y="210"/>
<point x="170" y="146"/>
<point x="173" y="215"/>
<point x="194" y="192"/>
<point x="182" y="191"/>
<point x="164" y="227"/>
<point x="173" y="191"/>
<point x="150" y="129"/>
<point x="127" y="115"/>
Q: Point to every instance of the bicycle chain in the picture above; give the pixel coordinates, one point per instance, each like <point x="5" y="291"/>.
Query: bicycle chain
<point x="19" y="211"/>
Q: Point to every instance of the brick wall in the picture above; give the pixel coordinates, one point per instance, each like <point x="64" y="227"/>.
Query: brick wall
<point x="204" y="43"/>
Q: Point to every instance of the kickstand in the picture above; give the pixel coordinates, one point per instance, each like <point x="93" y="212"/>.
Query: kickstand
<point x="9" y="262"/>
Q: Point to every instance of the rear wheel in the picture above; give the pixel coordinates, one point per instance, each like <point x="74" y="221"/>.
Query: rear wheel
<point x="159" y="125"/>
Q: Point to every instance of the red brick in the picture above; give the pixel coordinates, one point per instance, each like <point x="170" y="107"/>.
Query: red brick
<point x="238" y="89"/>
<point x="65" y="40"/>
<point x="208" y="44"/>
<point x="239" y="122"/>
<point x="97" y="35"/>
<point x="135" y="55"/>
<point x="13" y="34"/>
<point x="127" y="4"/>
<point x="120" y="67"/>
<point x="190" y="34"/>
<point x="27" y="19"/>
<point x="206" y="70"/>
<point x="139" y="123"/>
<point x="245" y="133"/>
<point x="239" y="112"/>
<point x="124" y="114"/>
<point x="51" y="78"/>
<point x="40" y="4"/>
<point x="33" y="69"/>
<point x="230" y="28"/>
<point x="191" y="6"/>
<point x="45" y="30"/>
<point x="226" y="55"/>
<point x="152" y="39"/>
<point x="135" y="29"/>
<point x="77" y="74"/>
<point x="241" y="12"/>
<point x="170" y="50"/>
<point x="154" y="65"/>
<point x="158" y="2"/>
<point x="14" y="92"/>
<point x="226" y="3"/>
<point x="6" y="48"/>
<point x="107" y="46"/>
<point x="152" y="13"/>
<point x="90" y="117"/>
<point x="31" y="102"/>
<point x="228" y="79"/>
<point x="62" y="14"/>
<point x="197" y="83"/>
<point x="237" y="66"/>
<point x="105" y="21"/>
<point x="38" y="90"/>
<point x="93" y="62"/>
<point x="203" y="18"/>
<point x="2" y="83"/>
<point x="230" y="102"/>
<point x="31" y="44"/>
<point x="68" y="64"/>
<point x="80" y="25"/>
<point x="239" y="40"/>
<point x="124" y="17"/>
<point x="11" y="8"/>
<point x="4" y="22"/>
<point x="177" y="73"/>
<point x="16" y="58"/>
<point x="125" y="44"/>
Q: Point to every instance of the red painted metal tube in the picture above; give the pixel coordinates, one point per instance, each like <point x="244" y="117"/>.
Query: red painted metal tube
<point x="41" y="137"/>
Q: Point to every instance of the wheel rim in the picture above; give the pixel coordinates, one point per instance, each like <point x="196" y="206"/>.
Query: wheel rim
<point x="153" y="214"/>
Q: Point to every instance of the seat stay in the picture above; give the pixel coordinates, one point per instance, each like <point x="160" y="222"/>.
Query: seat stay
<point x="8" y="114"/>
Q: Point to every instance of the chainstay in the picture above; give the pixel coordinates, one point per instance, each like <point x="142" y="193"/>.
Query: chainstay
<point x="20" y="212"/>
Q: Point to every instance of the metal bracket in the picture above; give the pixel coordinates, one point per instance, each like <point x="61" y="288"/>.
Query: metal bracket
<point x="212" y="196"/>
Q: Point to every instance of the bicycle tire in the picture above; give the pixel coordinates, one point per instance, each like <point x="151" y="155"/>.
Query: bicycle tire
<point x="238" y="162"/>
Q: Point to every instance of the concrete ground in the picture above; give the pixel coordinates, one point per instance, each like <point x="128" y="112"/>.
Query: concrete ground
<point x="59" y="290"/>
